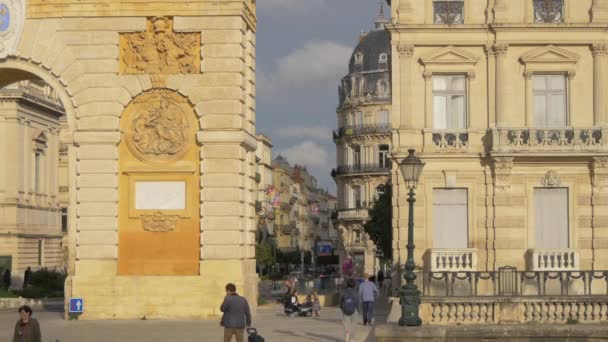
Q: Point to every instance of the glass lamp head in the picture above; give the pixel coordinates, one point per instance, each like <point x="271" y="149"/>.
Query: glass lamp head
<point x="411" y="169"/>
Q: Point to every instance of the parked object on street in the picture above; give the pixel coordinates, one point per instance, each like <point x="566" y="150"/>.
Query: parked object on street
<point x="27" y="328"/>
<point x="253" y="335"/>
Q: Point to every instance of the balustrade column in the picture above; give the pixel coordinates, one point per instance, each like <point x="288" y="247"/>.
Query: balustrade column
<point x="529" y="99"/>
<point x="501" y="87"/>
<point x="600" y="84"/>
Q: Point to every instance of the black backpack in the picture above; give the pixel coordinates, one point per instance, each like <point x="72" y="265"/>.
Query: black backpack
<point x="253" y="336"/>
<point x="349" y="303"/>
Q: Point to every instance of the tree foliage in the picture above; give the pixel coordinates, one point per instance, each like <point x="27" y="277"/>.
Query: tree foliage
<point x="379" y="227"/>
<point x="263" y="253"/>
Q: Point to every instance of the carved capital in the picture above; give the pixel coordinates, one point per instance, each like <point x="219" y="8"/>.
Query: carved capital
<point x="528" y="75"/>
<point x="571" y="74"/>
<point x="500" y="49"/>
<point x="405" y="50"/>
<point x="471" y="75"/>
<point x="599" y="172"/>
<point x="599" y="49"/>
<point x="427" y="75"/>
<point x="502" y="169"/>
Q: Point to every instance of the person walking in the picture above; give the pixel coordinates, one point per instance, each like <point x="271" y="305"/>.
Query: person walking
<point x="6" y="279"/>
<point x="27" y="328"/>
<point x="380" y="278"/>
<point x="237" y="315"/>
<point x="27" y="277"/>
<point x="348" y="305"/>
<point x="316" y="304"/>
<point x="368" y="291"/>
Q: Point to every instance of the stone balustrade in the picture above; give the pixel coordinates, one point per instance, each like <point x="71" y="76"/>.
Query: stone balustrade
<point x="353" y="214"/>
<point x="549" y="139"/>
<point x="451" y="260"/>
<point x="552" y="260"/>
<point x="446" y="140"/>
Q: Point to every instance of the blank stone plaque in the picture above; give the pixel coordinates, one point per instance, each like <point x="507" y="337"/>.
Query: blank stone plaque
<point x="166" y="195"/>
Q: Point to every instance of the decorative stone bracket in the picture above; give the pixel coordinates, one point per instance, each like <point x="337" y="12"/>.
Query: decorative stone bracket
<point x="159" y="222"/>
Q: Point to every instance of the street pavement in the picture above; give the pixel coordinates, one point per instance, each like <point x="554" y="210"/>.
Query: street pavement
<point x="270" y="322"/>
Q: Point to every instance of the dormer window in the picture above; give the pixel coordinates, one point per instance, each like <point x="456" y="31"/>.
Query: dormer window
<point x="549" y="11"/>
<point x="383" y="58"/>
<point x="448" y="12"/>
<point x="358" y="59"/>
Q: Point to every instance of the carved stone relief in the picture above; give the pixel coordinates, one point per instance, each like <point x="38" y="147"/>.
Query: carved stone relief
<point x="503" y="167"/>
<point x="551" y="179"/>
<point x="12" y="17"/>
<point x="159" y="50"/>
<point x="599" y="168"/>
<point x="158" y="222"/>
<point x="159" y="128"/>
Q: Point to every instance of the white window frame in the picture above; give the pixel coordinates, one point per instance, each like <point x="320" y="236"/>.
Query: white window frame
<point x="549" y="110"/>
<point x="448" y="94"/>
<point x="383" y="160"/>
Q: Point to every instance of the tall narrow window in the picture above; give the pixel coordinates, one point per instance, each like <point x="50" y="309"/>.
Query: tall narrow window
<point x="450" y="216"/>
<point x="357" y="196"/>
<point x="357" y="156"/>
<point x="550" y="101"/>
<point x="551" y="218"/>
<point x="549" y="11"/>
<point x="37" y="165"/>
<point x="448" y="12"/>
<point x="449" y="102"/>
<point x="64" y="220"/>
<point x="383" y="161"/>
<point x="383" y="118"/>
<point x="359" y="119"/>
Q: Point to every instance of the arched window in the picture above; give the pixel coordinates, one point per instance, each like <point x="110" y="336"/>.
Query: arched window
<point x="382" y="88"/>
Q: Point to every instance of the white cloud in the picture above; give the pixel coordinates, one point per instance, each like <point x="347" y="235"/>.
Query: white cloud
<point x="315" y="63"/>
<point x="305" y="132"/>
<point x="308" y="153"/>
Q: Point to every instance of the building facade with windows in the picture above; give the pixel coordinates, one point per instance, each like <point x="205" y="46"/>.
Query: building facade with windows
<point x="30" y="209"/>
<point x="363" y="141"/>
<point x="506" y="102"/>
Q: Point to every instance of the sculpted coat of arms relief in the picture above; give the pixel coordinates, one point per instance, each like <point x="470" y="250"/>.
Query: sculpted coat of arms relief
<point x="160" y="128"/>
<point x="12" y="17"/>
<point x="159" y="50"/>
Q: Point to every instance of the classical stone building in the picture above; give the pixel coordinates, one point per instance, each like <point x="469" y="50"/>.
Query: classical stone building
<point x="30" y="207"/>
<point x="506" y="103"/>
<point x="159" y="100"/>
<point x="363" y="141"/>
<point x="265" y="179"/>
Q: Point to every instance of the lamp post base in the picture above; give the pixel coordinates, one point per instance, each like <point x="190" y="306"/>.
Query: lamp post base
<point x="410" y="306"/>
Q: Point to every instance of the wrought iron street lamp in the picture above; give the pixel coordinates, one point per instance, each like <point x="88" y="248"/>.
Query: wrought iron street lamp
<point x="411" y="169"/>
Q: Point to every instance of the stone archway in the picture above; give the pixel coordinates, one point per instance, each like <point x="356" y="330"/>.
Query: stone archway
<point x="99" y="58"/>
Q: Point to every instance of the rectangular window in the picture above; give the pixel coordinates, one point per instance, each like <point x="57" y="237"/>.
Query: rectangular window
<point x="451" y="218"/>
<point x="551" y="218"/>
<point x="383" y="161"/>
<point x="357" y="197"/>
<point x="549" y="11"/>
<point x="449" y="102"/>
<point x="448" y="12"/>
<point x="383" y="119"/>
<point x="359" y="119"/>
<point x="550" y="102"/>
<point x="39" y="252"/>
<point x="357" y="156"/>
<point x="64" y="220"/>
<point x="37" y="157"/>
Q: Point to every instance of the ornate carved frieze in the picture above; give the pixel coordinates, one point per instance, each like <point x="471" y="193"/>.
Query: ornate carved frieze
<point x="160" y="127"/>
<point x="500" y="49"/>
<point x="159" y="222"/>
<point x="159" y="50"/>
<point x="405" y="50"/>
<point x="599" y="170"/>
<point x="502" y="169"/>
<point x="12" y="17"/>
<point x="551" y="179"/>
<point x="599" y="49"/>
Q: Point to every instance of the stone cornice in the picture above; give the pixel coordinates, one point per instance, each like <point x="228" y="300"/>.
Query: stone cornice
<point x="583" y="27"/>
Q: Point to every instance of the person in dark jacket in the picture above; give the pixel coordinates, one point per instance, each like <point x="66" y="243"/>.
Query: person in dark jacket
<point x="349" y="304"/>
<point x="237" y="315"/>
<point x="27" y="277"/>
<point x="27" y="328"/>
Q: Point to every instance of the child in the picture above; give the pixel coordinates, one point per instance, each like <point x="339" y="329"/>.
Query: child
<point x="316" y="305"/>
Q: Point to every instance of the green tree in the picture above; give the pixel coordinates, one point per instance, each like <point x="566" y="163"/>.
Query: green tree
<point x="379" y="227"/>
<point x="263" y="254"/>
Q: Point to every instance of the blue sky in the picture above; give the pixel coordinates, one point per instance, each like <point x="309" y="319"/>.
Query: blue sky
<point x="303" y="48"/>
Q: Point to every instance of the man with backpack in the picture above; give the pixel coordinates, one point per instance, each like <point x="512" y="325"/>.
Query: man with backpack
<point x="349" y="304"/>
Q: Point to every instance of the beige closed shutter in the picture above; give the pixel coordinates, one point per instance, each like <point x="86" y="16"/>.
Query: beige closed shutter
<point x="451" y="218"/>
<point x="551" y="218"/>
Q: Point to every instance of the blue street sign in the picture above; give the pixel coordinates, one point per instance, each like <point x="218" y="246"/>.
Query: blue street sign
<point x="76" y="305"/>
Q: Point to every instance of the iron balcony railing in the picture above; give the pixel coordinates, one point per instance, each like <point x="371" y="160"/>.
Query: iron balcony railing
<point x="357" y="130"/>
<point x="360" y="169"/>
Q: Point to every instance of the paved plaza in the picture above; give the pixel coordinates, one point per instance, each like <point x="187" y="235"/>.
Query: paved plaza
<point x="270" y="321"/>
